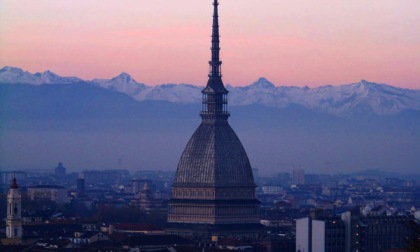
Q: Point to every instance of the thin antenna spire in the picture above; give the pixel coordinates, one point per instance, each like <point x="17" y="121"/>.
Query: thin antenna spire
<point x="215" y="63"/>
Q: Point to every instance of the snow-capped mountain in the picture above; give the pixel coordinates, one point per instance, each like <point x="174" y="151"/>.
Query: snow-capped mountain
<point x="122" y="83"/>
<point x="364" y="97"/>
<point x="358" y="98"/>
<point x="14" y="75"/>
<point x="178" y="93"/>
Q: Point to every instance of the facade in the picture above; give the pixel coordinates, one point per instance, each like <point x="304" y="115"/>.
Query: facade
<point x="303" y="235"/>
<point x="213" y="194"/>
<point x="378" y="233"/>
<point x="54" y="193"/>
<point x="14" y="212"/>
<point x="272" y="189"/>
<point x="323" y="234"/>
<point x="353" y="232"/>
<point x="328" y="235"/>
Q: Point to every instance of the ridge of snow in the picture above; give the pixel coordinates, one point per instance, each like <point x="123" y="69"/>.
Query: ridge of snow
<point x="14" y="75"/>
<point x="363" y="96"/>
<point x="123" y="83"/>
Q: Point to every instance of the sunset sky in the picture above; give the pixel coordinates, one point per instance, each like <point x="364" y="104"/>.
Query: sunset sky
<point x="290" y="42"/>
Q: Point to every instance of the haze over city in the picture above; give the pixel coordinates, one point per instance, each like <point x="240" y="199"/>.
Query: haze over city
<point x="289" y="42"/>
<point x="361" y="125"/>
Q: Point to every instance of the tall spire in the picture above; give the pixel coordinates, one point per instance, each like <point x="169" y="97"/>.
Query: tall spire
<point x="215" y="63"/>
<point x="213" y="194"/>
<point x="215" y="94"/>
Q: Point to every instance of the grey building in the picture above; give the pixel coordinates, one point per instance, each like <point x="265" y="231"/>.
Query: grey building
<point x="354" y="232"/>
<point x="213" y="194"/>
<point x="323" y="234"/>
<point x="54" y="193"/>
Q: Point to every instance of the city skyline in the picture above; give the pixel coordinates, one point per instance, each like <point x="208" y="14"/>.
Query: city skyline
<point x="288" y="42"/>
<point x="286" y="168"/>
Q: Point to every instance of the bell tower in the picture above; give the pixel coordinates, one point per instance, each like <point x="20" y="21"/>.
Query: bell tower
<point x="14" y="217"/>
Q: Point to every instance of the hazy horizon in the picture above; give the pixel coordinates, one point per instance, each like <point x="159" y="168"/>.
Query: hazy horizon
<point x="291" y="43"/>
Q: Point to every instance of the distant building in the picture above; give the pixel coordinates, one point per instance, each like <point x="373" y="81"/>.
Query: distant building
<point x="60" y="171"/>
<point x="284" y="178"/>
<point x="138" y="184"/>
<point x="255" y="172"/>
<point x="54" y="193"/>
<point x="272" y="189"/>
<point x="7" y="176"/>
<point x="146" y="199"/>
<point x="105" y="176"/>
<point x="81" y="184"/>
<point x="146" y="229"/>
<point x="14" y="212"/>
<point x="88" y="237"/>
<point x="298" y="177"/>
<point x="276" y="222"/>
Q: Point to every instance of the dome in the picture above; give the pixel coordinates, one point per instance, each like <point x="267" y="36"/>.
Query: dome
<point x="214" y="157"/>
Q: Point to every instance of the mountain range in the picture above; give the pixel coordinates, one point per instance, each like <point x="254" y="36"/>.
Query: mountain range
<point x="363" y="97"/>
<point x="91" y="124"/>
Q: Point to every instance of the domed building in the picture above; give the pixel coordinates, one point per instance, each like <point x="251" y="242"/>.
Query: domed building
<point x="213" y="194"/>
<point x="60" y="171"/>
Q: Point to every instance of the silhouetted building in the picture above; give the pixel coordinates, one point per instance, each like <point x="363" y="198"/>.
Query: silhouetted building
<point x="60" y="171"/>
<point x="255" y="173"/>
<point x="213" y="194"/>
<point x="81" y="184"/>
<point x="298" y="176"/>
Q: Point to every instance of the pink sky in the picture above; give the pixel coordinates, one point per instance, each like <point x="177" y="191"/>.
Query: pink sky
<point x="290" y="42"/>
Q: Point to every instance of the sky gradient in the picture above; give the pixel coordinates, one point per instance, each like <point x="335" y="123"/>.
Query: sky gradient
<point x="290" y="42"/>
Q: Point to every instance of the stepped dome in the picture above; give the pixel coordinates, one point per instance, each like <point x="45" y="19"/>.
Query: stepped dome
<point x="214" y="157"/>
